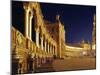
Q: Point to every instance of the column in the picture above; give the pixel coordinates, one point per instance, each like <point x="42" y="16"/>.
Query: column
<point x="26" y="20"/>
<point x="41" y="42"/>
<point x="44" y="43"/>
<point x="37" y="38"/>
<point x="48" y="47"/>
<point x="30" y="25"/>
<point x="45" y="46"/>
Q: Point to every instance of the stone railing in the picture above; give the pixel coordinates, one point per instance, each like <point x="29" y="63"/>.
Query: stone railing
<point x="18" y="40"/>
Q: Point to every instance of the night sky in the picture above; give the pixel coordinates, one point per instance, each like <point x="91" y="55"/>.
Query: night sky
<point x="77" y="19"/>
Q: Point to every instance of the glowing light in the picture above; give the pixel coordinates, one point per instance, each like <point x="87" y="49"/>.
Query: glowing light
<point x="93" y="47"/>
<point x="84" y="53"/>
<point x="71" y="47"/>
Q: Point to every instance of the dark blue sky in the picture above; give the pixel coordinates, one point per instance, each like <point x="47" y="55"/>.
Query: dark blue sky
<point x="78" y="20"/>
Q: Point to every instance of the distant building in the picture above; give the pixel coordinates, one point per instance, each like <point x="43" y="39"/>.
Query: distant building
<point x="94" y="34"/>
<point x="93" y="51"/>
<point x="73" y="51"/>
<point x="78" y="50"/>
<point x="84" y="48"/>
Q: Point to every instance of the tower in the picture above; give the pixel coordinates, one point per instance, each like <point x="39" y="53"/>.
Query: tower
<point x="94" y="33"/>
<point x="61" y="37"/>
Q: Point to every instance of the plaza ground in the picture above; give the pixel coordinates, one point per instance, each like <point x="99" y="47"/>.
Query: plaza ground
<point x="69" y="64"/>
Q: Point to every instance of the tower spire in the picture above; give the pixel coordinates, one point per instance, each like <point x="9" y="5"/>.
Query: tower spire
<point x="58" y="17"/>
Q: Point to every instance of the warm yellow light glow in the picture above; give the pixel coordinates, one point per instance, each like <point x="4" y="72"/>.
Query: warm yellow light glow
<point x="93" y="47"/>
<point x="71" y="47"/>
<point x="84" y="53"/>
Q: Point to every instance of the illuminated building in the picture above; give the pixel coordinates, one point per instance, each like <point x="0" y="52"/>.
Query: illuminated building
<point x="29" y="53"/>
<point x="82" y="49"/>
<point x="86" y="48"/>
<point x="57" y="32"/>
<point x="94" y="34"/>
<point x="72" y="51"/>
<point x="41" y="42"/>
<point x="93" y="51"/>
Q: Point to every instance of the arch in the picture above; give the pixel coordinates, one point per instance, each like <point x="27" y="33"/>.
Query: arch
<point x="43" y="42"/>
<point x="47" y="47"/>
<point x="33" y="29"/>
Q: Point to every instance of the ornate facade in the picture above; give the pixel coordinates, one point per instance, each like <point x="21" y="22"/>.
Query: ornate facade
<point x="47" y="43"/>
<point x="57" y="32"/>
<point x="41" y="42"/>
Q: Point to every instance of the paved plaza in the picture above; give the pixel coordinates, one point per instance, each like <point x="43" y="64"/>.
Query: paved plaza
<point x="68" y="64"/>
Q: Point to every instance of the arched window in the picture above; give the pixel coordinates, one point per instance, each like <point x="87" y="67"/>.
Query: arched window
<point x="33" y="29"/>
<point x="43" y="42"/>
<point x="47" y="47"/>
